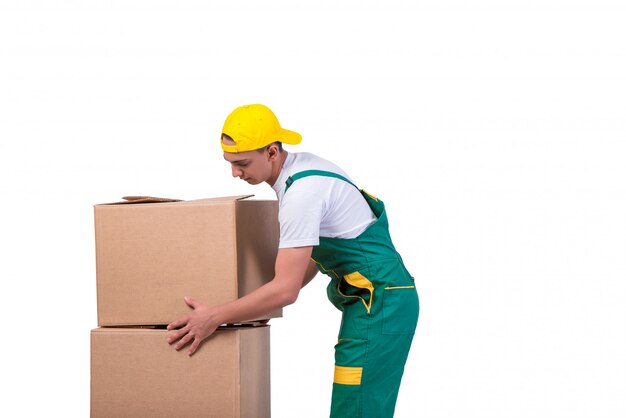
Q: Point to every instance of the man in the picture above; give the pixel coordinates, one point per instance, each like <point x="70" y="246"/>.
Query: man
<point x="326" y="224"/>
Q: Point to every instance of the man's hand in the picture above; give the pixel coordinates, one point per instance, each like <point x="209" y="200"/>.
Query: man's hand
<point x="194" y="328"/>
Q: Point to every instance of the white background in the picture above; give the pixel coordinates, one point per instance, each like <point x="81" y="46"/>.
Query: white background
<point x="494" y="131"/>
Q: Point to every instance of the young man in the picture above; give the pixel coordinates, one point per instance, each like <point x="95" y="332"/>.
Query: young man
<point x="326" y="224"/>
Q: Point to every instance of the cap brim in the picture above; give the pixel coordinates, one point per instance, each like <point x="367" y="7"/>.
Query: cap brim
<point x="290" y="137"/>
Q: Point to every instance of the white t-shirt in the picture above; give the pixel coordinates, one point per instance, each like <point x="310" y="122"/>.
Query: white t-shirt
<point x="318" y="206"/>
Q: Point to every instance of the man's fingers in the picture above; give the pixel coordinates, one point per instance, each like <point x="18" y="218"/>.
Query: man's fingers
<point x="191" y="302"/>
<point x="178" y="324"/>
<point x="183" y="341"/>
<point x="194" y="346"/>
<point x="175" y="336"/>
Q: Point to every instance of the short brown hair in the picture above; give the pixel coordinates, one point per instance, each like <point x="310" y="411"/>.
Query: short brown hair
<point x="231" y="141"/>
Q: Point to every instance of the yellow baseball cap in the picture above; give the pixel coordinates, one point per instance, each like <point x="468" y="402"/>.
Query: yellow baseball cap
<point x="255" y="126"/>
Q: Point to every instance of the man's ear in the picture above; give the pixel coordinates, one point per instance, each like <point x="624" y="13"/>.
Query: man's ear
<point x="272" y="151"/>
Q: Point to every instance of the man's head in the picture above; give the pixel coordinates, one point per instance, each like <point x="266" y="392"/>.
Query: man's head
<point x="252" y="142"/>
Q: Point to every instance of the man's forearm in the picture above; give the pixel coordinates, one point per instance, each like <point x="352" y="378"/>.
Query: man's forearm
<point x="255" y="305"/>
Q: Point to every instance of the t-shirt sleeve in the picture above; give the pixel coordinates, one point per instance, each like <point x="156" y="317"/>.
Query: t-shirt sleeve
<point x="300" y="215"/>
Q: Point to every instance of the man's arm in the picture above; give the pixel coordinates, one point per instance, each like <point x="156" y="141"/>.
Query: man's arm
<point x="311" y="271"/>
<point x="292" y="272"/>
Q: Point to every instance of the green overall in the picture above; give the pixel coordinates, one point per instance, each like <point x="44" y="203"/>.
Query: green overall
<point x="377" y="296"/>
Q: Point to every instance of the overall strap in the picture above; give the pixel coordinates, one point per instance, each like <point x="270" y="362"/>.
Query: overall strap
<point x="308" y="173"/>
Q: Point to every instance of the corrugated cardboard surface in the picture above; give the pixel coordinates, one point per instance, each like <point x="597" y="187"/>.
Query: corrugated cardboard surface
<point x="136" y="373"/>
<point x="150" y="255"/>
<point x="253" y="237"/>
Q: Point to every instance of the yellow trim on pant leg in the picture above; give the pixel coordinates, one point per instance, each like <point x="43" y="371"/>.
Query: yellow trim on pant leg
<point x="356" y="279"/>
<point x="348" y="375"/>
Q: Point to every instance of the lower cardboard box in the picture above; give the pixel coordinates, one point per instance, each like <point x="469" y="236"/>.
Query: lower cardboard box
<point x="136" y="373"/>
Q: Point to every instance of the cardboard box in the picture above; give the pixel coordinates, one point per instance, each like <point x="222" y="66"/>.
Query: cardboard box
<point x="135" y="373"/>
<point x="149" y="256"/>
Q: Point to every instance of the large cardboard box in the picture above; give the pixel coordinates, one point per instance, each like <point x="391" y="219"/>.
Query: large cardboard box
<point x="149" y="256"/>
<point x="135" y="373"/>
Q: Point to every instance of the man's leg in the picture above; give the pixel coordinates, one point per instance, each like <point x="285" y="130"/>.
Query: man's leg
<point x="370" y="358"/>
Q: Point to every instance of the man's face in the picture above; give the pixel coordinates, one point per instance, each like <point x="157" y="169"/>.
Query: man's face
<point x="251" y="166"/>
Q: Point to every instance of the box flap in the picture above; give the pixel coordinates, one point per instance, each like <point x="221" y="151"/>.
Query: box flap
<point x="147" y="199"/>
<point x="219" y="199"/>
<point x="141" y="199"/>
<point x="151" y="199"/>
